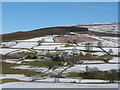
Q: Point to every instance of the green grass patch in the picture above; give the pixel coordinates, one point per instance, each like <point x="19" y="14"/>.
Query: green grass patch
<point x="47" y="63"/>
<point x="67" y="45"/>
<point x="115" y="55"/>
<point x="73" y="74"/>
<point x="6" y="69"/>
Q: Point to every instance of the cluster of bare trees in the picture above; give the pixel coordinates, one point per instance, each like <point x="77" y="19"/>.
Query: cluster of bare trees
<point x="94" y="72"/>
<point x="89" y="47"/>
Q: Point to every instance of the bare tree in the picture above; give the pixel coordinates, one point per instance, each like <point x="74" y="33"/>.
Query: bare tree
<point x="110" y="51"/>
<point x="91" y="69"/>
<point x="74" y="51"/>
<point x="88" y="46"/>
<point x="75" y="42"/>
<point x="100" y="45"/>
<point x="94" y="69"/>
<point x="87" y="68"/>
<point x="118" y="53"/>
<point x="40" y="41"/>
<point x="57" y="78"/>
<point x="111" y="76"/>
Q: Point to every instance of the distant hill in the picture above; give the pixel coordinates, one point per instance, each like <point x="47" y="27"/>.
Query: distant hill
<point x="98" y="29"/>
<point x="111" y="28"/>
<point x="41" y="32"/>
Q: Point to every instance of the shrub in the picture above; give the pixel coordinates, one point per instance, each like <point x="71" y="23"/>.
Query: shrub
<point x="68" y="45"/>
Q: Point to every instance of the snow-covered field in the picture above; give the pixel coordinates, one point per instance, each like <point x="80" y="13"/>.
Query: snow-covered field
<point x="115" y="60"/>
<point x="76" y="68"/>
<point x="102" y="27"/>
<point x="12" y="61"/>
<point x="22" y="67"/>
<point x="38" y="69"/>
<point x="15" y="76"/>
<point x="11" y="50"/>
<point x="58" y="47"/>
<point x="102" y="67"/>
<point x="8" y="44"/>
<point x="78" y="80"/>
<point x="25" y="45"/>
<point x="45" y="38"/>
<point x="6" y="50"/>
<point x="92" y="61"/>
<point x="55" y="85"/>
<point x="49" y="44"/>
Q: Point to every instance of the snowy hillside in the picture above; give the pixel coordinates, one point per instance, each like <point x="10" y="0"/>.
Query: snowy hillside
<point x="101" y="27"/>
<point x="71" y="60"/>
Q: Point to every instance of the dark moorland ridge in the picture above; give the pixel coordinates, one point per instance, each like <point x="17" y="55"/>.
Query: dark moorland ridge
<point x="51" y="31"/>
<point x="41" y="32"/>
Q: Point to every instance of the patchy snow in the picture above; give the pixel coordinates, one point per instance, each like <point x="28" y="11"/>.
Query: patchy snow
<point x="10" y="61"/>
<point x="22" y="67"/>
<point x="51" y="44"/>
<point x="78" y="80"/>
<point x="102" y="67"/>
<point x="48" y="38"/>
<point x="8" y="44"/>
<point x="114" y="85"/>
<point x="57" y="70"/>
<point x="21" y="50"/>
<point x="6" y="50"/>
<point x="29" y="60"/>
<point x="92" y="61"/>
<point x="109" y="43"/>
<point x="112" y="39"/>
<point x="59" y="47"/>
<point x="17" y="61"/>
<point x="99" y="53"/>
<point x="115" y="51"/>
<point x="115" y="60"/>
<point x="47" y="47"/>
<point x="11" y="51"/>
<point x="37" y="69"/>
<point x="55" y="85"/>
<point x="40" y="69"/>
<point x="15" y="76"/>
<point x="102" y="27"/>
<point x="106" y="41"/>
<point x="25" y="45"/>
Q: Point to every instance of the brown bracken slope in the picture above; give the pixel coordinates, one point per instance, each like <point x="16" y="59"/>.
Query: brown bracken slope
<point x="40" y="32"/>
